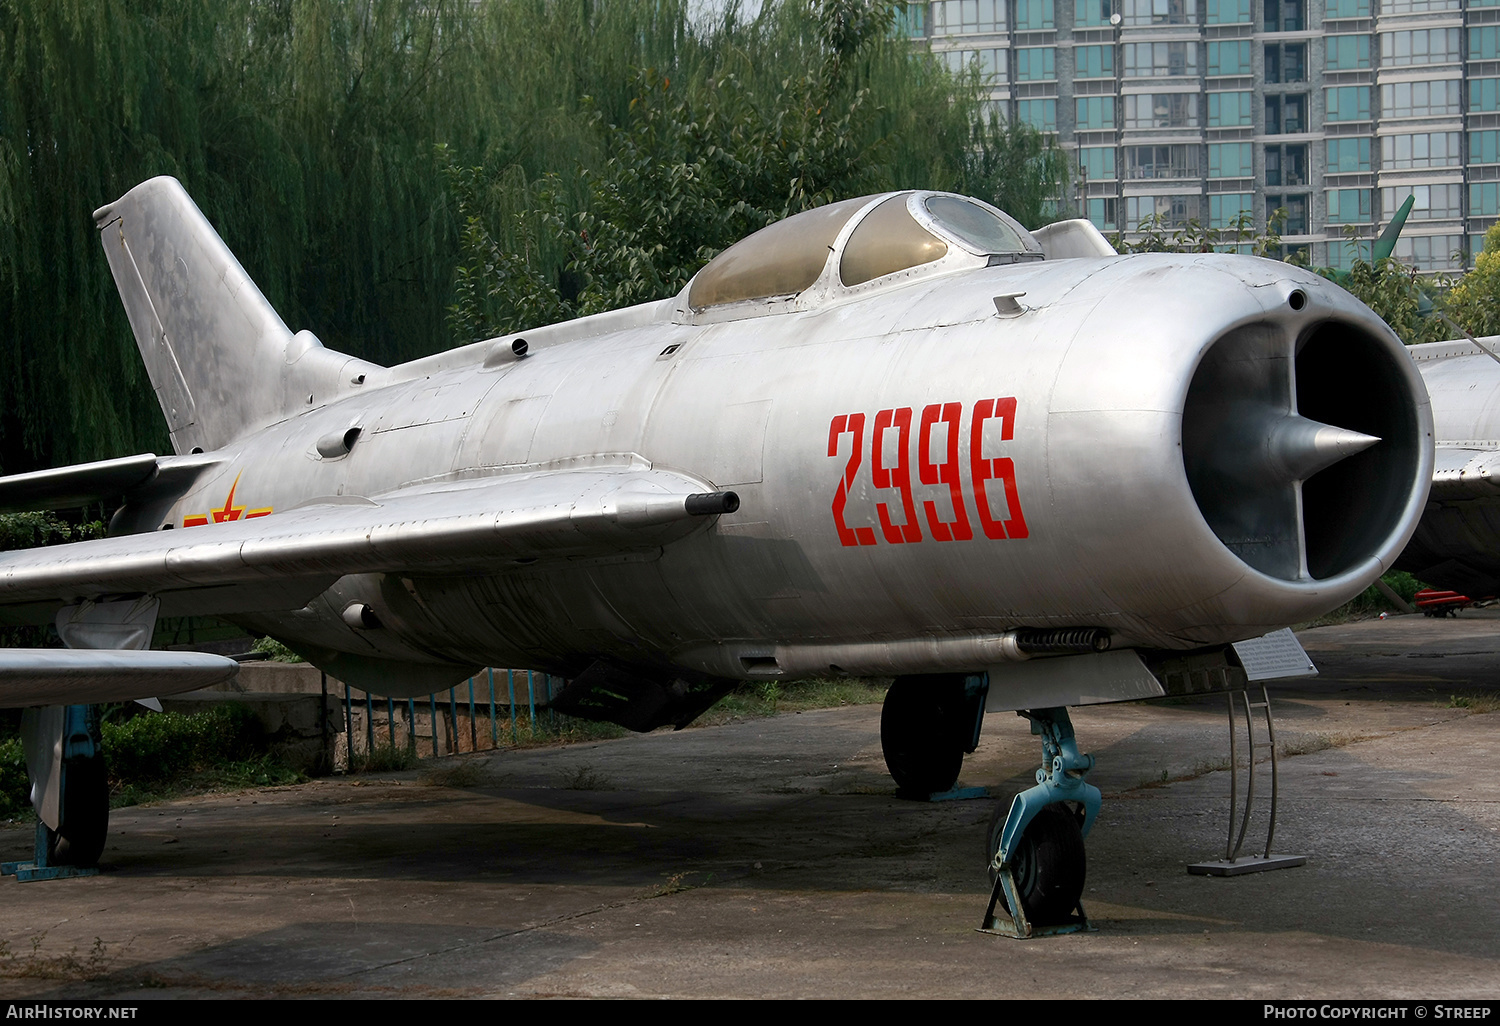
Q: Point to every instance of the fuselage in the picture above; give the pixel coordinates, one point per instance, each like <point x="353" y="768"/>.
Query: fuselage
<point x="920" y="462"/>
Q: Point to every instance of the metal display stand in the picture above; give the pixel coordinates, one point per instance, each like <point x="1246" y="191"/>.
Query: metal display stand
<point x="1233" y="863"/>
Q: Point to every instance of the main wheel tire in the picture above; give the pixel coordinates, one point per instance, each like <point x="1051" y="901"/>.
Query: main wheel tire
<point x="85" y="815"/>
<point x="919" y="732"/>
<point x="1049" y="865"/>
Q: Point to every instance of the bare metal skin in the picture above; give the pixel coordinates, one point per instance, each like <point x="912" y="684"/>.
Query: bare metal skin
<point x="923" y="462"/>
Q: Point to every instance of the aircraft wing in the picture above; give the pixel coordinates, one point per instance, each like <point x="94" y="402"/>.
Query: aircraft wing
<point x="284" y="560"/>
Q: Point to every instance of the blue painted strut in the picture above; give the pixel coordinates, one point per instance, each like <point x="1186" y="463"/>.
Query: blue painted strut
<point x="1060" y="779"/>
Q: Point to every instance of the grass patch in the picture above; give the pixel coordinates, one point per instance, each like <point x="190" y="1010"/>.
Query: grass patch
<point x="1475" y="701"/>
<point x="465" y="774"/>
<point x="586" y="778"/>
<point x="757" y="699"/>
<point x="38" y="965"/>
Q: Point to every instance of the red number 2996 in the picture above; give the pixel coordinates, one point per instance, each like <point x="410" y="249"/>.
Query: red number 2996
<point x="893" y="434"/>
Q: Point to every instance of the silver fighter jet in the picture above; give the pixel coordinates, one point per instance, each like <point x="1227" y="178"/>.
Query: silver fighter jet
<point x="897" y="435"/>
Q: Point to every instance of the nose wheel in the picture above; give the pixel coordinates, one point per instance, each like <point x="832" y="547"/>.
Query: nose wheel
<point x="1036" y="854"/>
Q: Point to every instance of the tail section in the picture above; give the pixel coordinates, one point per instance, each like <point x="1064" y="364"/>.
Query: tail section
<point x="222" y="362"/>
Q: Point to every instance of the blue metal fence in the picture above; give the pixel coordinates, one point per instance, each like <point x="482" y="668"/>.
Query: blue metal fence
<point x="469" y="722"/>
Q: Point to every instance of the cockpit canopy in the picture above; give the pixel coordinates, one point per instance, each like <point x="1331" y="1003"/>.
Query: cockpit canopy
<point x="858" y="244"/>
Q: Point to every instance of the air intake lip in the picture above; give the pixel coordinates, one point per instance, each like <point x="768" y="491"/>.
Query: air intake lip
<point x="1302" y="450"/>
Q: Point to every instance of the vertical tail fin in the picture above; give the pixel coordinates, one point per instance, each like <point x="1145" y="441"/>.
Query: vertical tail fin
<point x="221" y="360"/>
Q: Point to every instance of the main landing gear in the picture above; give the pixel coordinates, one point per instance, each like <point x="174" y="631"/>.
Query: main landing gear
<point x="70" y="790"/>
<point x="1036" y="855"/>
<point x="927" y="724"/>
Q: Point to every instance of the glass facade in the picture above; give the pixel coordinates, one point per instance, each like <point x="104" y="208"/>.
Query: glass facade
<point x="1333" y="111"/>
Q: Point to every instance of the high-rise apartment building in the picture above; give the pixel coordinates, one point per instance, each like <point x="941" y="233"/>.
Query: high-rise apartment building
<point x="1335" y="110"/>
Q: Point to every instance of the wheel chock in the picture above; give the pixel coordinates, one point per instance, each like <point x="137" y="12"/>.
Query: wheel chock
<point x="1010" y="919"/>
<point x="958" y="794"/>
<point x="38" y="869"/>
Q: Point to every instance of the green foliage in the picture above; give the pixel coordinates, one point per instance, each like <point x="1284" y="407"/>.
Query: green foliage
<point x="1474" y="301"/>
<point x="15" y="788"/>
<point x="155" y="754"/>
<point x="1396" y="293"/>
<point x="306" y="131"/>
<point x="276" y="651"/>
<point x="159" y="746"/>
<point x="1016" y="168"/>
<point x="808" y="104"/>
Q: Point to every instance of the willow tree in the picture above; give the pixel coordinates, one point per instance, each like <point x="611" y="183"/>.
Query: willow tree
<point x="306" y="131"/>
<point x="740" y="124"/>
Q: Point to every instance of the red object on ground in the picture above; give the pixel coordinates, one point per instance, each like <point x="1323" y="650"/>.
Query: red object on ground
<point x="1433" y="602"/>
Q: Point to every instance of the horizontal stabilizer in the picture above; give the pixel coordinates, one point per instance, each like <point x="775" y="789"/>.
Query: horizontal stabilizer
<point x="81" y="676"/>
<point x="462" y="528"/>
<point x="79" y="485"/>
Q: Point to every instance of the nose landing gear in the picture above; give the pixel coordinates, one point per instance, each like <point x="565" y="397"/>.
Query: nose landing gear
<point x="1037" y="863"/>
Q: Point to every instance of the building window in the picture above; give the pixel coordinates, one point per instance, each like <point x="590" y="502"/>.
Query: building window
<point x="1161" y="110"/>
<point x="1225" y="208"/>
<point x="1431" y="202"/>
<point x="1285" y="15"/>
<point x="1096" y="163"/>
<point x="1286" y="62"/>
<point x="1161" y="59"/>
<point x="1160" y="12"/>
<point x="1286" y="165"/>
<point x="1348" y="53"/>
<point x="1349" y="206"/>
<point x="1296" y="212"/>
<point x="1232" y="12"/>
<point x="1484" y="94"/>
<point x="1288" y="114"/>
<point x="1092" y="13"/>
<point x="1419" y="46"/>
<point x="989" y="63"/>
<point x="1229" y="58"/>
<point x="1173" y="211"/>
<point x="1427" y="149"/>
<point x="1230" y="160"/>
<point x="965" y="17"/>
<point x="1484" y="199"/>
<point x="1104" y="212"/>
<point x="1416" y="6"/>
<point x="1033" y="15"/>
<point x="1347" y="9"/>
<point x="1039" y="114"/>
<point x="1484" y="147"/>
<point x="1422" y="99"/>
<point x="1484" y="43"/>
<point x="1431" y="252"/>
<point x="1094" y="112"/>
<point x="1094" y="62"/>
<point x="1036" y="64"/>
<point x="1161" y="162"/>
<point x="1227" y="110"/>
<point x="1347" y="155"/>
<point x="1347" y="103"/>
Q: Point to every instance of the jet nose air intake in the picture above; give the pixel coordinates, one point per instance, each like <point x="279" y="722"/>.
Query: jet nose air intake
<point x="1301" y="447"/>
